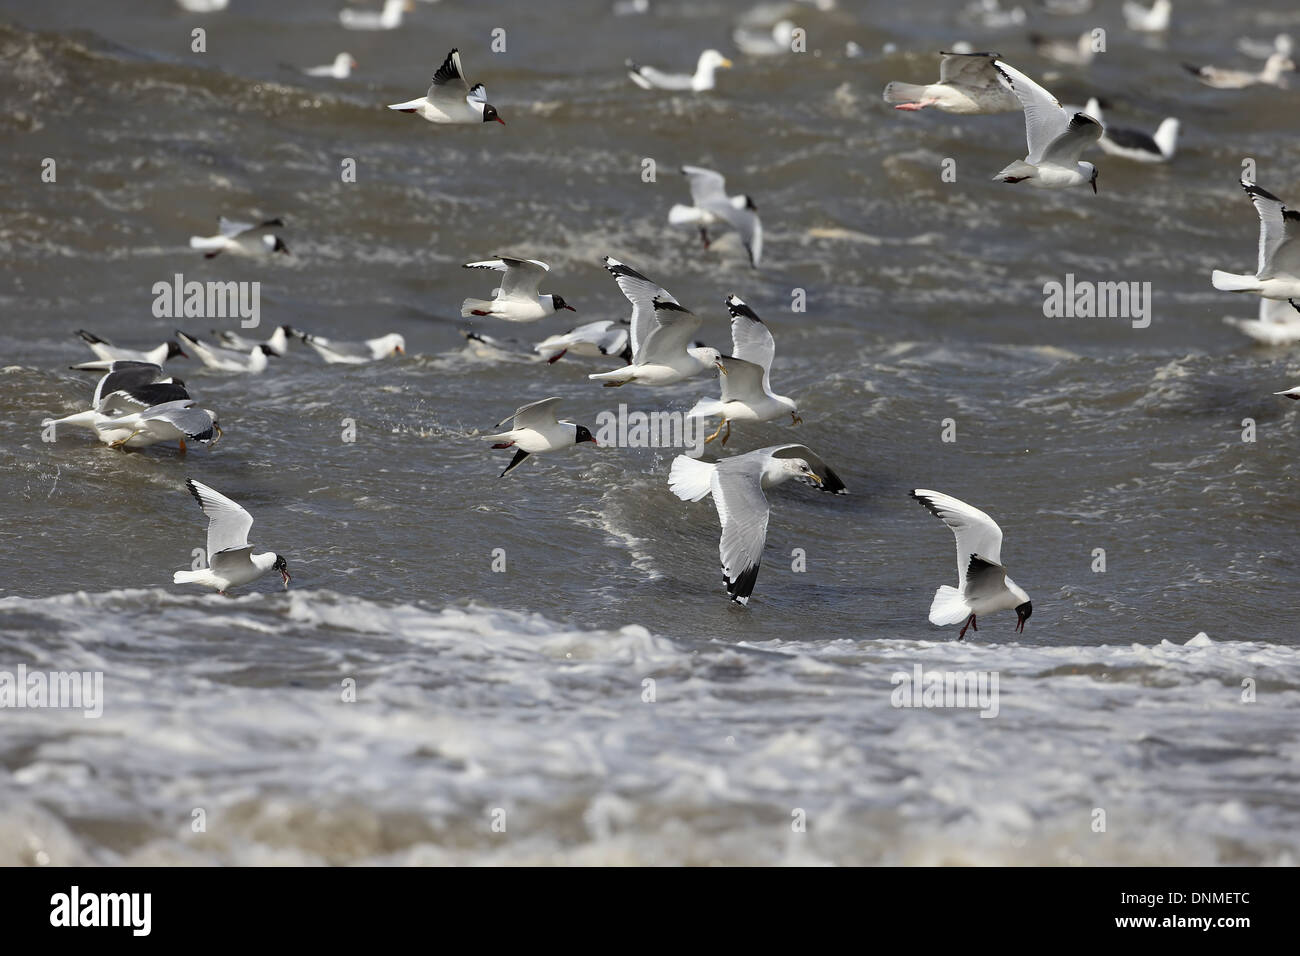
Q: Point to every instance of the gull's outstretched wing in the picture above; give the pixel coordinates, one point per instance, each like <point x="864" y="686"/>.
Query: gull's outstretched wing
<point x="1045" y="120"/>
<point x="642" y="293"/>
<point x="976" y="532"/>
<point x="228" y="523"/>
<point x="537" y="414"/>
<point x="675" y="331"/>
<point x="743" y="511"/>
<point x="449" y="85"/>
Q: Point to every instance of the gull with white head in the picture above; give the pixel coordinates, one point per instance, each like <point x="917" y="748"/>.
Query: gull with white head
<point x="649" y="78"/>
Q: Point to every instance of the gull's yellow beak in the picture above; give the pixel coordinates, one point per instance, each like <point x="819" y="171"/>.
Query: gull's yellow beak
<point x="219" y="433"/>
<point x="725" y="64"/>
<point x="816" y="477"/>
<point x="721" y="368"/>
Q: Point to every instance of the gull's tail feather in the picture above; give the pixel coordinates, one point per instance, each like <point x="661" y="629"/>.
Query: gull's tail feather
<point x="188" y="577"/>
<point x="475" y="307"/>
<point x="616" y="377"/>
<point x="903" y="92"/>
<point x="207" y="242"/>
<point x="634" y="71"/>
<point x="948" y="607"/>
<point x="1229" y="282"/>
<point x="681" y="215"/>
<point x="80" y="419"/>
<point x="409" y="106"/>
<point x="706" y="408"/>
<point x="690" y="479"/>
<point x="1166" y="137"/>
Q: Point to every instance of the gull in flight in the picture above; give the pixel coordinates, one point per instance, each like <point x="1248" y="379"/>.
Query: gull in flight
<point x="390" y="18"/>
<point x="1153" y="19"/>
<point x="1277" y="324"/>
<point x="1134" y="143"/>
<point x="451" y="99"/>
<point x="1273" y="74"/>
<point x="534" y="430"/>
<point x="605" y="337"/>
<point x="1056" y="140"/>
<point x="747" y="394"/>
<point x="661" y="335"/>
<point x="356" y="353"/>
<point x="227" y="360"/>
<point x="982" y="583"/>
<point x="737" y="485"/>
<point x="340" y="69"/>
<point x="231" y="561"/>
<point x="1277" y="275"/>
<point x="648" y="78"/>
<point x="968" y="84"/>
<point x="711" y="206"/>
<point x="242" y="238"/>
<point x="277" y="341"/>
<point x="108" y="353"/>
<point x="517" y="299"/>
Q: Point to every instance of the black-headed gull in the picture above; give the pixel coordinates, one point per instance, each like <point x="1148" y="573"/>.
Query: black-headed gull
<point x="666" y="356"/>
<point x="451" y="99"/>
<point x="231" y="561"/>
<point x="747" y="394"/>
<point x="594" y="339"/>
<point x="1262" y="50"/>
<point x="968" y="85"/>
<point x="534" y="430"/>
<point x="108" y="353"/>
<point x="1273" y="74"/>
<point x="517" y="298"/>
<point x="226" y="360"/>
<point x="242" y="238"/>
<point x="1278" y="272"/>
<point x="1135" y="144"/>
<point x="765" y="41"/>
<point x="389" y="18"/>
<point x="277" y="341"/>
<point x="1153" y="19"/>
<point x="737" y="485"/>
<point x="1078" y="52"/>
<point x="203" y="6"/>
<point x="649" y="78"/>
<point x="340" y="69"/>
<point x="711" y="206"/>
<point x="1278" y="323"/>
<point x="982" y="583"/>
<point x="1056" y="139"/>
<point x="356" y="353"/>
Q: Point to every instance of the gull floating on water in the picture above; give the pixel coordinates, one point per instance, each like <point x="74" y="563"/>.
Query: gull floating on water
<point x="109" y="353"/>
<point x="1262" y="50"/>
<point x="711" y="206"/>
<point x="1134" y="144"/>
<point x="390" y="18"/>
<point x="982" y="583"/>
<point x="648" y="78"/>
<point x="1277" y="274"/>
<point x="451" y="99"/>
<point x="356" y="353"/>
<point x="968" y="85"/>
<point x="242" y="238"/>
<point x="754" y="41"/>
<point x="1153" y="19"/>
<point x="203" y="6"/>
<point x="517" y="299"/>
<point x="1056" y="140"/>
<point x="1071" y="53"/>
<point x="226" y="360"/>
<point x="231" y="561"/>
<point x="737" y="485"/>
<point x="1273" y="74"/>
<point x="605" y="337"/>
<point x="277" y="341"/>
<point x="534" y="430"/>
<point x="747" y="394"/>
<point x="134" y="407"/>
<point x="340" y="69"/>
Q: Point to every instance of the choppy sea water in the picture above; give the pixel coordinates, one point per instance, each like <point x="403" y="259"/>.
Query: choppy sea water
<point x="521" y="696"/>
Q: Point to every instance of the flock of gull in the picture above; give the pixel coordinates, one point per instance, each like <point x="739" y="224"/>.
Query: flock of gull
<point x="136" y="403"/>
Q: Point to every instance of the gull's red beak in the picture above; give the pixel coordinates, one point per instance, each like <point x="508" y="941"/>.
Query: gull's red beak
<point x="571" y="308"/>
<point x="501" y="121"/>
<point x="286" y="578"/>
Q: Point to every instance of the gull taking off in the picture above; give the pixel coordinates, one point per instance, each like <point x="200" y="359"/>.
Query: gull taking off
<point x="747" y="394"/>
<point x="231" y="561"/>
<point x="451" y="99"/>
<point x="517" y="300"/>
<point x="968" y="84"/>
<point x="534" y="430"/>
<point x="1134" y="144"/>
<point x="711" y="206"/>
<point x="648" y="78"/>
<point x="1278" y="273"/>
<point x="242" y="238"/>
<point x="1056" y="140"/>
<point x="982" y="583"/>
<point x="737" y="485"/>
<point x="666" y="357"/>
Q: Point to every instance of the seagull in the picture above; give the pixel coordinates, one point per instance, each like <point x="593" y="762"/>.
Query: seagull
<point x="480" y="345"/>
<point x="982" y="583"/>
<point x="132" y="386"/>
<point x="277" y="342"/>
<point x="989" y="14"/>
<point x="711" y="206"/>
<point x="1076" y="53"/>
<point x="227" y="360"/>
<point x="356" y="353"/>
<point x="451" y="99"/>
<point x="1278" y="324"/>
<point x="176" y="421"/>
<point x="664" y="355"/>
<point x="1291" y="393"/>
<point x="1262" y="50"/>
<point x="1133" y="143"/>
<point x="535" y="430"/>
<point x="747" y="394"/>
<point x="340" y="69"/>
<point x="517" y="299"/>
<point x="968" y="85"/>
<point x="108" y="353"/>
<point x="242" y="238"/>
<point x="203" y="6"/>
<point x="754" y="41"/>
<point x="231" y="561"/>
<point x="1278" y="273"/>
<point x="389" y="19"/>
<point x="606" y="337"/>
<point x="1272" y="74"/>
<point x="738" y="485"/>
<point x="1055" y="139"/>
<point x="648" y="78"/>
<point x="1148" y="20"/>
